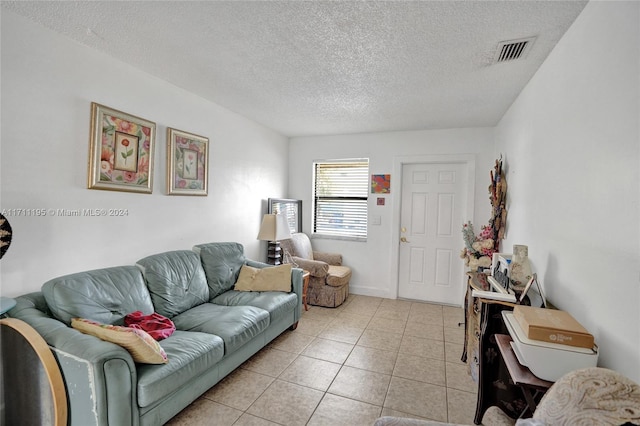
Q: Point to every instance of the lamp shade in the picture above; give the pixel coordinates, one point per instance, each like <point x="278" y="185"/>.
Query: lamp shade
<point x="274" y="228"/>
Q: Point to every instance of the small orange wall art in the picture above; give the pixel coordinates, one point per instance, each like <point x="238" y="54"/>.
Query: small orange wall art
<point x="380" y="184"/>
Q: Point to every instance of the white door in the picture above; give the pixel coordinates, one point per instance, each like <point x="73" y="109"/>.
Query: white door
<point x="433" y="202"/>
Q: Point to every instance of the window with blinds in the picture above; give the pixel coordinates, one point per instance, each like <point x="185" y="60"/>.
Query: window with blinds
<point x="341" y="188"/>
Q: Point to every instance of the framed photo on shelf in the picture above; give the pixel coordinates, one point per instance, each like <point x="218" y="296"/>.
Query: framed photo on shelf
<point x="534" y="298"/>
<point x="187" y="163"/>
<point x="121" y="150"/>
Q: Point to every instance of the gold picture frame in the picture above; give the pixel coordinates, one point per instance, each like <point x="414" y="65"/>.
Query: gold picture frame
<point x="121" y="150"/>
<point x="187" y="163"/>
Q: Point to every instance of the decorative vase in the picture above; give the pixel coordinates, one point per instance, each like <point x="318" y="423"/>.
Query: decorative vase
<point x="520" y="266"/>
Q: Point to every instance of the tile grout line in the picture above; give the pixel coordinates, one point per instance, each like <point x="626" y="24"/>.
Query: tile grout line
<point x="335" y="377"/>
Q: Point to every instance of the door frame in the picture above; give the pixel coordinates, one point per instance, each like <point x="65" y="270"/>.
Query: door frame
<point x="396" y="187"/>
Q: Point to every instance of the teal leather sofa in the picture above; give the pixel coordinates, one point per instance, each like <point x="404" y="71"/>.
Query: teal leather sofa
<point x="217" y="329"/>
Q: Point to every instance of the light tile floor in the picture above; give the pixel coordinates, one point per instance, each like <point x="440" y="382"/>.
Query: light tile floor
<point x="349" y="365"/>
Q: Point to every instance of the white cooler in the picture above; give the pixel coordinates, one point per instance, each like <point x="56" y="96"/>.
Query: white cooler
<point x="547" y="361"/>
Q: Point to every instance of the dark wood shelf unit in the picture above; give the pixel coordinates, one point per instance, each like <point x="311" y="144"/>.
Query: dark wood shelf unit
<point x="483" y="320"/>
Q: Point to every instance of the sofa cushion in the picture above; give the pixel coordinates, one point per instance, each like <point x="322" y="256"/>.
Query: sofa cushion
<point x="190" y="355"/>
<point x="278" y="304"/>
<point x="102" y="295"/>
<point x="338" y="275"/>
<point x="142" y="347"/>
<point x="221" y="263"/>
<point x="176" y="281"/>
<point x="235" y="324"/>
<point x="272" y="278"/>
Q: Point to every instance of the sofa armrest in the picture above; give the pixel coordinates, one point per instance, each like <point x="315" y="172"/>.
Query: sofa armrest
<point x="330" y="258"/>
<point x="100" y="377"/>
<point x="317" y="268"/>
<point x="402" y="421"/>
<point x="495" y="416"/>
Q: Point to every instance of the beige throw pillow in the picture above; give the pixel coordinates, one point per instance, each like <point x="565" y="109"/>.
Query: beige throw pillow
<point x="142" y="347"/>
<point x="272" y="278"/>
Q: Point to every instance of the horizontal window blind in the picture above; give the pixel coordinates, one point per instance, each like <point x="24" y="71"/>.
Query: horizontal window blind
<point x="340" y="198"/>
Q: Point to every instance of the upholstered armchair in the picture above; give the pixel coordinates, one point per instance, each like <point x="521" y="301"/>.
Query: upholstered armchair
<point x="328" y="278"/>
<point x="589" y="396"/>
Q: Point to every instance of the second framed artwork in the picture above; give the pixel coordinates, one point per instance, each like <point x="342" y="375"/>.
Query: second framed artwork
<point x="187" y="163"/>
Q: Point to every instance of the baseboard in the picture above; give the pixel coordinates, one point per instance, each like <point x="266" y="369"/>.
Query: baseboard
<point x="370" y="291"/>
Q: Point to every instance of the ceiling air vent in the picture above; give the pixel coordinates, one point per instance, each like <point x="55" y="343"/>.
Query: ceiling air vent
<point x="513" y="49"/>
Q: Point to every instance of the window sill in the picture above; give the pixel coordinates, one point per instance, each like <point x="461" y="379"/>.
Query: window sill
<point x="338" y="237"/>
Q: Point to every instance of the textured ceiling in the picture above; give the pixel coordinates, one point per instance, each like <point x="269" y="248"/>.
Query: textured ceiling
<point x="326" y="67"/>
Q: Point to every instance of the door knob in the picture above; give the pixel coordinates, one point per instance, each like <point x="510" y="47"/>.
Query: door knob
<point x="404" y="239"/>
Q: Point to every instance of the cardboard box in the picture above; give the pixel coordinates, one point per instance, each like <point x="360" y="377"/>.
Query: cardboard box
<point x="551" y="325"/>
<point x="547" y="361"/>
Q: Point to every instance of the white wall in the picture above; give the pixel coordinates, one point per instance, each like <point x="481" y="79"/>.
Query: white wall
<point x="374" y="262"/>
<point x="48" y="83"/>
<point x="572" y="153"/>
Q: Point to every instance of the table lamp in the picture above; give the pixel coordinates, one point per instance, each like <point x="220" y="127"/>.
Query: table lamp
<point x="273" y="229"/>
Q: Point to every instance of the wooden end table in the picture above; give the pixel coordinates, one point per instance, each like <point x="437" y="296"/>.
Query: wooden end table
<point x="305" y="287"/>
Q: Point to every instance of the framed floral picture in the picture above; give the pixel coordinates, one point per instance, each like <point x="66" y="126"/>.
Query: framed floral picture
<point x="120" y="151"/>
<point x="187" y="163"/>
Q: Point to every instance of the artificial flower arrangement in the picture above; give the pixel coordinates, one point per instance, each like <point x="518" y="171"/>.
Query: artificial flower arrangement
<point x="478" y="250"/>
